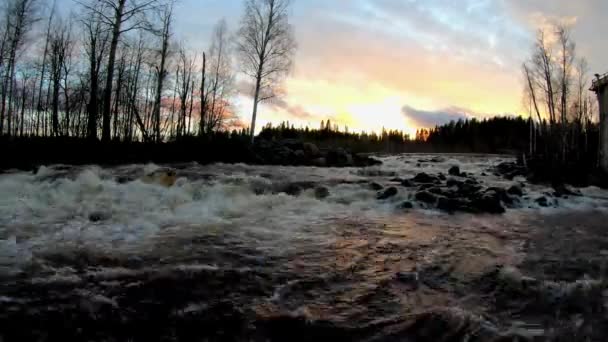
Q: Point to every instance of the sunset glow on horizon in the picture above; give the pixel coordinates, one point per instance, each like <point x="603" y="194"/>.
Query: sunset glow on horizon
<point x="403" y="64"/>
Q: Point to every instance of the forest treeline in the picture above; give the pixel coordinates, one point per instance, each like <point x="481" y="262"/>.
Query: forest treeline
<point x="114" y="69"/>
<point x="492" y="135"/>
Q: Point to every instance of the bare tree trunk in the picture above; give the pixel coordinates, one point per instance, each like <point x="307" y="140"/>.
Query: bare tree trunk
<point x="107" y="92"/>
<point x="203" y="111"/>
<point x="42" y="72"/>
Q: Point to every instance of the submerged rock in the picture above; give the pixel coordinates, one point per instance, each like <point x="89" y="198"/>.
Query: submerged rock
<point x="407" y="183"/>
<point x="295" y="188"/>
<point x="321" y="192"/>
<point x="388" y="193"/>
<point x="406" y="205"/>
<point x="162" y="177"/>
<point x="375" y="186"/>
<point x="98" y="216"/>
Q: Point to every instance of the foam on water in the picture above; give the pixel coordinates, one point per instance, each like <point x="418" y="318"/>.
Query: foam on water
<point x="50" y="211"/>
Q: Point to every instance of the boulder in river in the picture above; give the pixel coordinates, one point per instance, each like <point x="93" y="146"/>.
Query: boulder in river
<point x="388" y="193"/>
<point x="425" y="178"/>
<point x="452" y="205"/>
<point x="426" y="197"/>
<point x="542" y="201"/>
<point x="488" y="202"/>
<point x="454" y="171"/>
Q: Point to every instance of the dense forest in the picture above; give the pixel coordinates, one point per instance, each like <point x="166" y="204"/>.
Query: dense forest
<point x="493" y="135"/>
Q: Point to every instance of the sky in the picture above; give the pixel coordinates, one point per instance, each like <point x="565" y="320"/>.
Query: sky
<point x="404" y="64"/>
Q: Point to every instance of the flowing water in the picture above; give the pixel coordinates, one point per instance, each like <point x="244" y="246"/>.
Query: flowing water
<point x="223" y="252"/>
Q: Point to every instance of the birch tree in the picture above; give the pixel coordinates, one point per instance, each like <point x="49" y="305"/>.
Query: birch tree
<point x="266" y="46"/>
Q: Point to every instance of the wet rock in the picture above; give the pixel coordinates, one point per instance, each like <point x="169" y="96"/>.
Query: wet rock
<point x="296" y="188"/>
<point x="397" y="180"/>
<point x="361" y="160"/>
<point x="162" y="177"/>
<point x="542" y="201"/>
<point x="454" y="182"/>
<point x="561" y="190"/>
<point x="406" y="205"/>
<point x="501" y="194"/>
<point x="515" y="190"/>
<point x="437" y="191"/>
<point x="98" y="216"/>
<point x="488" y="202"/>
<point x="426" y="197"/>
<point x="454" y="171"/>
<point x="442" y="177"/>
<point x="425" y="178"/>
<point x="452" y="205"/>
<point x="510" y="170"/>
<point x="467" y="190"/>
<point x="407" y="183"/>
<point x="375" y="186"/>
<point x="388" y="193"/>
<point x="321" y="192"/>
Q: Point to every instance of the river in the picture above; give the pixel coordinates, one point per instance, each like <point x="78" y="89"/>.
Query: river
<point x="268" y="253"/>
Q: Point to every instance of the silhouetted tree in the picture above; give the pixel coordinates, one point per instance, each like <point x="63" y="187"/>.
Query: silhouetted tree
<point x="266" y="46"/>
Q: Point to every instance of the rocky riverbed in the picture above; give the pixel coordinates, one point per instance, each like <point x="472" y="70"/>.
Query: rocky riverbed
<point x="419" y="248"/>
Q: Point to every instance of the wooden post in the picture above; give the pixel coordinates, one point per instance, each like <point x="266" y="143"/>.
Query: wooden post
<point x="600" y="87"/>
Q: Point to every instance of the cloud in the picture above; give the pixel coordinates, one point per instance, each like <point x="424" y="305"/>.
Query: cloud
<point x="295" y="111"/>
<point x="276" y="104"/>
<point x="429" y="118"/>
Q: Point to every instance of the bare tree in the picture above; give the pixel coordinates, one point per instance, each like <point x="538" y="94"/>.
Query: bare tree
<point x="184" y="83"/>
<point x="95" y="44"/>
<point x="20" y="16"/>
<point x="221" y="78"/>
<point x="566" y="60"/>
<point x="165" y="34"/>
<point x="266" y="46"/>
<point x="60" y="48"/>
<point x="121" y="16"/>
<point x="203" y="97"/>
